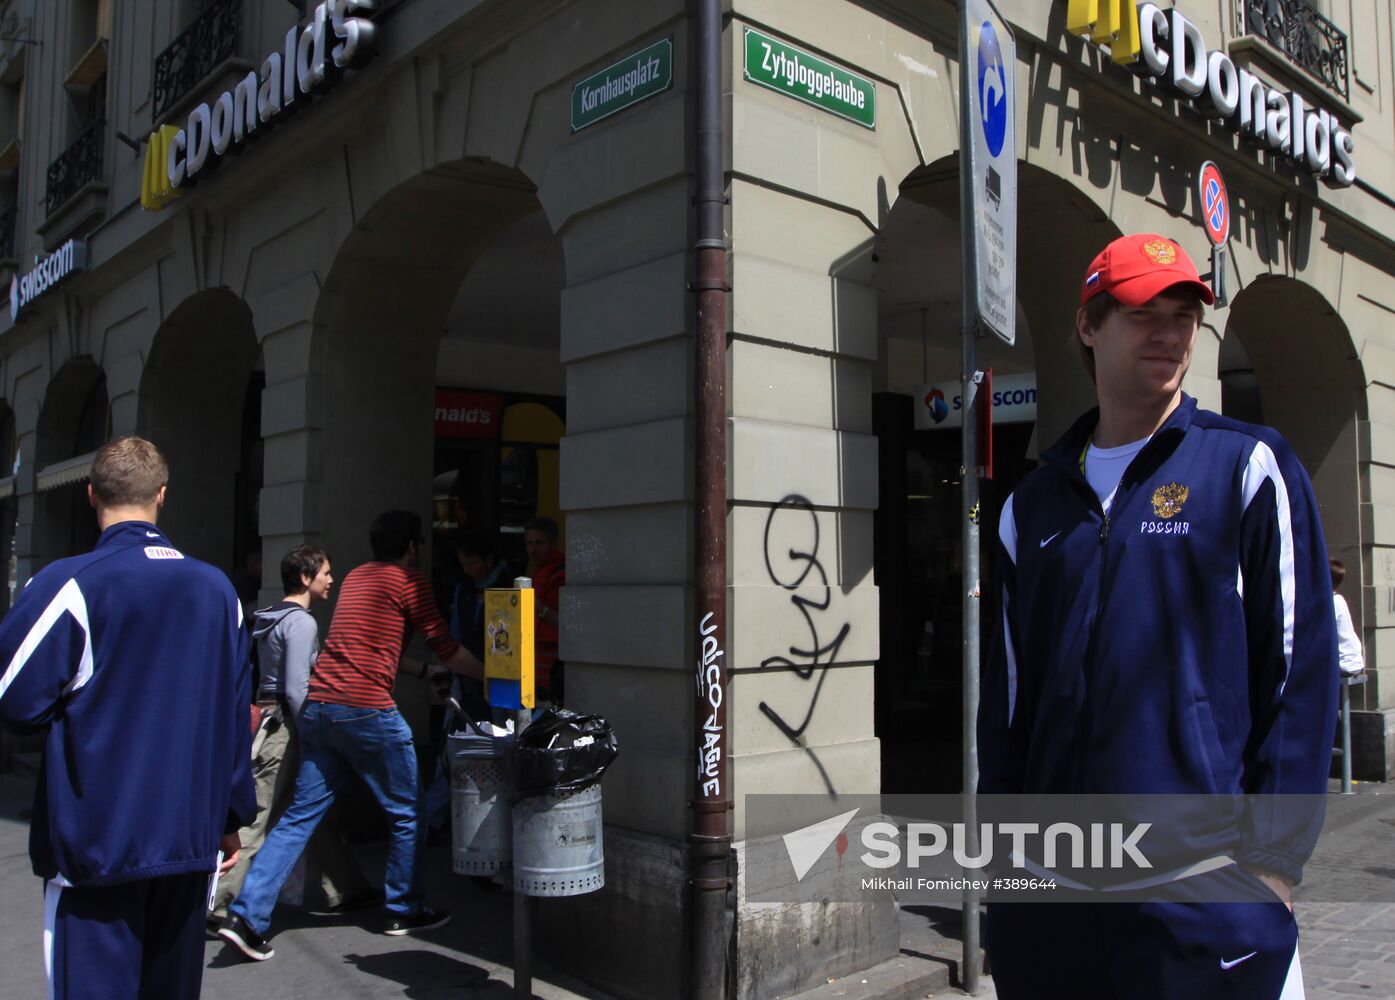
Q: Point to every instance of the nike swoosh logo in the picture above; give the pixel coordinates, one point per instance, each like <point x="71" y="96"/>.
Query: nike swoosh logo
<point x="1047" y="541"/>
<point x="1236" y="961"/>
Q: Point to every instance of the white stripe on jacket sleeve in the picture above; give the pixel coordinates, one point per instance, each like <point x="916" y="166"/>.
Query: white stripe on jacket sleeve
<point x="1264" y="466"/>
<point x="69" y="600"/>
<point x="1007" y="534"/>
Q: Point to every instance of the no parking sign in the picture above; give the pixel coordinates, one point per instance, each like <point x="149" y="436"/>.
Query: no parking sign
<point x="1214" y="201"/>
<point x="1215" y="204"/>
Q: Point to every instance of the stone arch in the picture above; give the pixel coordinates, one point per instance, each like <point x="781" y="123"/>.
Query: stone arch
<point x="1273" y="321"/>
<point x="74" y="421"/>
<point x="917" y="546"/>
<point x="377" y="333"/>
<point x="193" y="393"/>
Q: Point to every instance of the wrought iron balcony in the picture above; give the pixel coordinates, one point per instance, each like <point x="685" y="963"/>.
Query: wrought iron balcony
<point x="213" y="37"/>
<point x="79" y="163"/>
<point x="8" y="218"/>
<point x="1305" y="36"/>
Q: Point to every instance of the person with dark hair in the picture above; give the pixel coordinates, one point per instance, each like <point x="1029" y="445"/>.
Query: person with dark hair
<point x="1165" y="629"/>
<point x="549" y="572"/>
<point x="1351" y="658"/>
<point x="483" y="569"/>
<point x="132" y="660"/>
<point x="288" y="641"/>
<point x="351" y="725"/>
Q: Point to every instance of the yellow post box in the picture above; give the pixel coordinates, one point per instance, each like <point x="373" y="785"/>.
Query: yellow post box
<point x="508" y="647"/>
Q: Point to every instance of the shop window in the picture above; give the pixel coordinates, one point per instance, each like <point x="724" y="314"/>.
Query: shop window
<point x="497" y="467"/>
<point x="83" y="161"/>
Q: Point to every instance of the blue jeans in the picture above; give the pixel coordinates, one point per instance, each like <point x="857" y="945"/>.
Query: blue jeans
<point x="337" y="740"/>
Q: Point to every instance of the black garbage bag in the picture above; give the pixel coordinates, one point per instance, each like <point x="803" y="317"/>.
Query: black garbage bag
<point x="561" y="751"/>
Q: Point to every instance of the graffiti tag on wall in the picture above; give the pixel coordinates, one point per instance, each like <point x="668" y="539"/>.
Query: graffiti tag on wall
<point x="799" y="570"/>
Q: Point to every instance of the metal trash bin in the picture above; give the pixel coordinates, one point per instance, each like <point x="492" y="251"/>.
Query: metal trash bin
<point x="481" y="832"/>
<point x="558" y="843"/>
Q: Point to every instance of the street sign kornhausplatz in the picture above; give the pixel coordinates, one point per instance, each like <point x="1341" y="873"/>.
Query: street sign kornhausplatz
<point x="623" y="84"/>
<point x="1215" y="204"/>
<point x="992" y="148"/>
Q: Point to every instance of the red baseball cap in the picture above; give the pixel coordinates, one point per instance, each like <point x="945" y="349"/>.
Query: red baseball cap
<point x="1135" y="269"/>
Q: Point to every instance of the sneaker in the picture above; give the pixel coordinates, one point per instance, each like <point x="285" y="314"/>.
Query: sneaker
<point x="423" y="920"/>
<point x="238" y="933"/>
<point x="358" y="901"/>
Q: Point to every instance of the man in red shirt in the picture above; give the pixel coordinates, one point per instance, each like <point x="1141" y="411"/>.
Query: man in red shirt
<point x="351" y="725"/>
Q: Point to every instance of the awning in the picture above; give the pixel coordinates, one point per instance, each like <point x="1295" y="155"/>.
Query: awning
<point x="64" y="473"/>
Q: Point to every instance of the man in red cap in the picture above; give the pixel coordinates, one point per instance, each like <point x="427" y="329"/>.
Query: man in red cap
<point x="1166" y="630"/>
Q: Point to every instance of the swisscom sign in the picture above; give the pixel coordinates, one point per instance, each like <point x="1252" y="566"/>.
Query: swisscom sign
<point x="1166" y="47"/>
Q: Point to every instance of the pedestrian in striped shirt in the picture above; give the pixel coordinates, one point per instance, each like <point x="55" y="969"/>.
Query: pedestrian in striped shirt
<point x="351" y="725"/>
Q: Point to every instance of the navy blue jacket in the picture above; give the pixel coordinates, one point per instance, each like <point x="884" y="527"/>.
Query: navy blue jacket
<point x="1183" y="644"/>
<point x="133" y="658"/>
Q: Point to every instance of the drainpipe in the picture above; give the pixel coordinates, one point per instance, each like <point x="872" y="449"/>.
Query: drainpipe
<point x="709" y="842"/>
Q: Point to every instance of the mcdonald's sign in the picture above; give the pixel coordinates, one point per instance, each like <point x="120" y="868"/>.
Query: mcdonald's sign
<point x="1167" y="48"/>
<point x="1107" y="22"/>
<point x="333" y="39"/>
<point x="156" y="191"/>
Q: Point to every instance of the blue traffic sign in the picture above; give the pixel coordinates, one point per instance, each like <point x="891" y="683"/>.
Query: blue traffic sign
<point x="992" y="89"/>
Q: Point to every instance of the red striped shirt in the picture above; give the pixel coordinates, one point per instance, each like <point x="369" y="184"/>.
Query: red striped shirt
<point x="379" y="605"/>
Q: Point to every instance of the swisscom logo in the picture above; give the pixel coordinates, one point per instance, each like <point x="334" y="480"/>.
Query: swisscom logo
<point x="935" y="403"/>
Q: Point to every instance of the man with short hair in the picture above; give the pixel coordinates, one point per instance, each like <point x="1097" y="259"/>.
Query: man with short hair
<point x="351" y="725"/>
<point x="133" y="659"/>
<point x="288" y="641"/>
<point x="1166" y="628"/>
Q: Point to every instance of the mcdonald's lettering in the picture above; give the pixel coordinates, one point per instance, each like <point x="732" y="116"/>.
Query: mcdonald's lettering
<point x="311" y="60"/>
<point x="156" y="189"/>
<point x="1107" y="22"/>
<point x="1169" y="49"/>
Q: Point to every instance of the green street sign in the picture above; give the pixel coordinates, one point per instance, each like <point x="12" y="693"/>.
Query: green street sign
<point x="779" y="66"/>
<point x="618" y="86"/>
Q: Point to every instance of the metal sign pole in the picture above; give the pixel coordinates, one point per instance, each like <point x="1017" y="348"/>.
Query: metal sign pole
<point x="988" y="230"/>
<point x="968" y="479"/>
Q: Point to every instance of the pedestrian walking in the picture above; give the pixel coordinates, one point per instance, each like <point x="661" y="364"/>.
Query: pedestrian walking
<point x="133" y="660"/>
<point x="288" y="643"/>
<point x="351" y="726"/>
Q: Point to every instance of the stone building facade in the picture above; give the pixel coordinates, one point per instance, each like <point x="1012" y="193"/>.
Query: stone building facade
<point x="444" y="212"/>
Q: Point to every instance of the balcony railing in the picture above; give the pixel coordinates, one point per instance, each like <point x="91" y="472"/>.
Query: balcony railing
<point x="1305" y="36"/>
<point x="199" y="49"/>
<point x="7" y="232"/>
<point x="81" y="162"/>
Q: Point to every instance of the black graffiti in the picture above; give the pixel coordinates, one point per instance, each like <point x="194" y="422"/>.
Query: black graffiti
<point x="806" y="662"/>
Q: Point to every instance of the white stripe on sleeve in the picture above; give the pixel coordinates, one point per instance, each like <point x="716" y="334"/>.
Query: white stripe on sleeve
<point x="1007" y="534"/>
<point x="69" y="600"/>
<point x="1007" y="530"/>
<point x="1263" y="465"/>
<point x="52" y="890"/>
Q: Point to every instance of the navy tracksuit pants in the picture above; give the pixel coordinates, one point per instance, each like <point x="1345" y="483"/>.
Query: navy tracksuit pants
<point x="1164" y="950"/>
<point x="134" y="941"/>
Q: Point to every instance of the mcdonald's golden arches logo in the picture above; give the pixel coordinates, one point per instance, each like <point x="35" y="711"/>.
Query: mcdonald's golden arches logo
<point x="1107" y="22"/>
<point x="156" y="190"/>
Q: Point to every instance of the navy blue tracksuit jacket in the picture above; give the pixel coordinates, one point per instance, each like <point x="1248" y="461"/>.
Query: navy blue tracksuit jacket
<point x="133" y="659"/>
<point x="1183" y="643"/>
